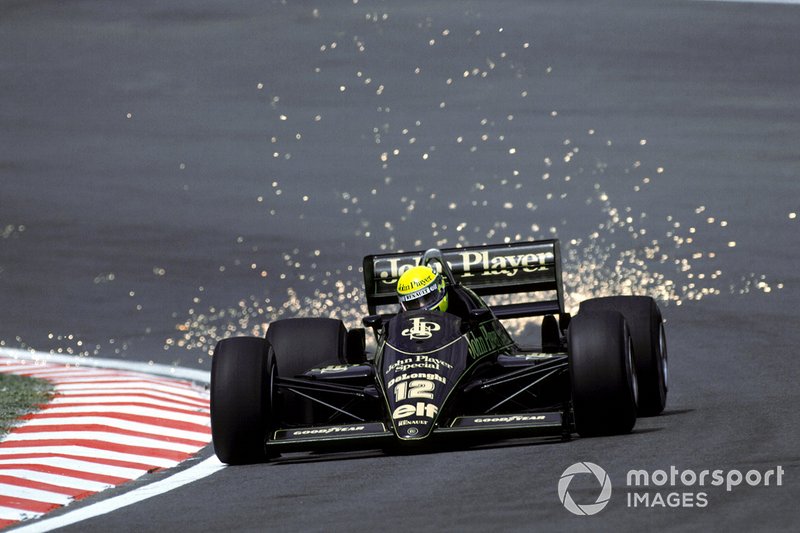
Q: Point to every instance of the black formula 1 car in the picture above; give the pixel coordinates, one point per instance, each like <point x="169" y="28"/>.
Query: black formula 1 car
<point x="456" y="377"/>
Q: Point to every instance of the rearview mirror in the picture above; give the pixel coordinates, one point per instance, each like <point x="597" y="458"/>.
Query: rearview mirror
<point x="374" y="322"/>
<point x="478" y="316"/>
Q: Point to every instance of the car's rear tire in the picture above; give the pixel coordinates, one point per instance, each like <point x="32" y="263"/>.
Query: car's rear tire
<point x="241" y="399"/>
<point x="649" y="346"/>
<point x="602" y="374"/>
<point x="300" y="344"/>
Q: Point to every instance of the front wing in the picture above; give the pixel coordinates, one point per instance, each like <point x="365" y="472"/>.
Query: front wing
<point x="462" y="429"/>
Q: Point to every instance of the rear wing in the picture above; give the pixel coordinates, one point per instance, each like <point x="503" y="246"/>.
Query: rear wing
<point x="497" y="269"/>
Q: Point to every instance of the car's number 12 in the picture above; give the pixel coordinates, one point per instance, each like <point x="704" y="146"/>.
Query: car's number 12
<point x="416" y="388"/>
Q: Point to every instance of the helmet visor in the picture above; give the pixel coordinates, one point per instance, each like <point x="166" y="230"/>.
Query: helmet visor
<point x="425" y="298"/>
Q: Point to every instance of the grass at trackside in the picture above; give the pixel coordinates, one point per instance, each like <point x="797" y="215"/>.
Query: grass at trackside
<point x="20" y="395"/>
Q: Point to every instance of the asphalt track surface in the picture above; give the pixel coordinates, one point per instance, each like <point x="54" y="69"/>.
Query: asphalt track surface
<point x="173" y="172"/>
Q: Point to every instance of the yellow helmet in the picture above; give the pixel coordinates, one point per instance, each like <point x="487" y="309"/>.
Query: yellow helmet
<point x="421" y="288"/>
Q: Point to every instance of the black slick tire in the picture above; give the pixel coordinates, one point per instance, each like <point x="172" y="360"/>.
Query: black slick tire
<point x="602" y="374"/>
<point x="300" y="344"/>
<point x="241" y="399"/>
<point x="649" y="346"/>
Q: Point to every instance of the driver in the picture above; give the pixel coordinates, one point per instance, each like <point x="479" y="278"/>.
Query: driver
<point x="420" y="287"/>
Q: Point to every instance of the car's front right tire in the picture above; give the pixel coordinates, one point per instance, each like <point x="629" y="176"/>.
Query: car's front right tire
<point x="241" y="399"/>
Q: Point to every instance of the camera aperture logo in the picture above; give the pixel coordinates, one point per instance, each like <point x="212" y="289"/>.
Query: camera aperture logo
<point x="590" y="508"/>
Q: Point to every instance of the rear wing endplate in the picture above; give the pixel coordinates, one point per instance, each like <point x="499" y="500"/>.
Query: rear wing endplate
<point x="514" y="268"/>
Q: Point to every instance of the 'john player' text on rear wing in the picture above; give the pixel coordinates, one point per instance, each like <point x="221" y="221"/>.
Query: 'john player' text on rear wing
<point x="488" y="270"/>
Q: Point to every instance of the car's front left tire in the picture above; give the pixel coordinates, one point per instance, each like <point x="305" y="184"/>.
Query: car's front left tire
<point x="602" y="374"/>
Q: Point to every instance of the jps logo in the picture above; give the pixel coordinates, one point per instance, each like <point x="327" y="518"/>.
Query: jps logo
<point x="420" y="329"/>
